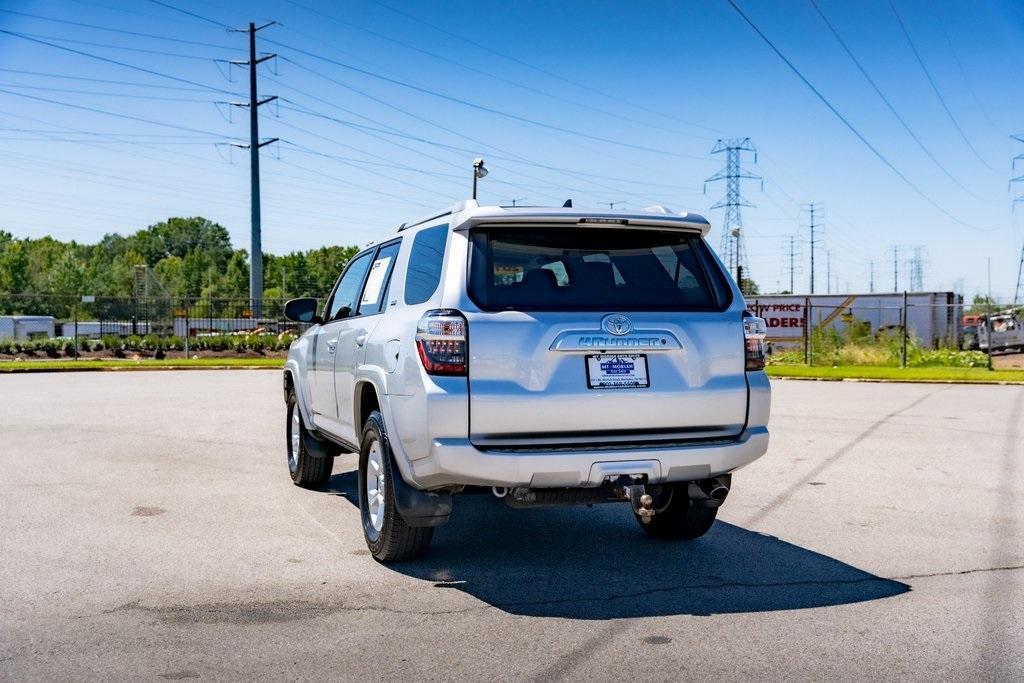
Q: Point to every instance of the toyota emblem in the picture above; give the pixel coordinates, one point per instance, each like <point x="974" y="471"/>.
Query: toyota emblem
<point x="616" y="324"/>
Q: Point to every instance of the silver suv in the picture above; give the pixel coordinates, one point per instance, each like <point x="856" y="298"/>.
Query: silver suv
<point x="553" y="356"/>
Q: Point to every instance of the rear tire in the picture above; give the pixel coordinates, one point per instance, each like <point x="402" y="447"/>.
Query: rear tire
<point x="306" y="471"/>
<point x="677" y="517"/>
<point x="387" y="535"/>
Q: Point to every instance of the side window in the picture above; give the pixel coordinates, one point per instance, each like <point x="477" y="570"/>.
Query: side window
<point x="347" y="291"/>
<point x="376" y="289"/>
<point x="425" y="260"/>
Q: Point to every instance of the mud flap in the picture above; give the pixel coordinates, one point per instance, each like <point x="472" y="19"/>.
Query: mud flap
<point x="419" y="507"/>
<point x="318" y="448"/>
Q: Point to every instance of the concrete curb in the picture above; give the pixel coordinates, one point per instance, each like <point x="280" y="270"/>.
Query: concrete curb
<point x="1002" y="382"/>
<point x="136" y="368"/>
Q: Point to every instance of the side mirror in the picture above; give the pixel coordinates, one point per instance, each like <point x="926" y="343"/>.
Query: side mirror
<point x="302" y="311"/>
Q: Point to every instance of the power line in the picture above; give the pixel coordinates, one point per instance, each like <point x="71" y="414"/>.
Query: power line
<point x="107" y="113"/>
<point x="510" y="159"/>
<point x="79" y="91"/>
<point x="463" y="65"/>
<point x="963" y="72"/>
<point x="50" y="74"/>
<point x="551" y="74"/>
<point x="92" y="5"/>
<point x="484" y="108"/>
<point x="935" y="88"/>
<point x="888" y="104"/>
<point x="117" y="62"/>
<point x="191" y="14"/>
<point x="849" y="125"/>
<point x="111" y="29"/>
<point x="126" y="48"/>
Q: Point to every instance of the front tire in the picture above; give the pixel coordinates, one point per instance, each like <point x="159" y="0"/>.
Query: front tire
<point x="306" y="471"/>
<point x="387" y="535"/>
<point x="677" y="517"/>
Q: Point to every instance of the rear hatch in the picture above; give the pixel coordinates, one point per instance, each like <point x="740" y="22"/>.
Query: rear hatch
<point x="600" y="335"/>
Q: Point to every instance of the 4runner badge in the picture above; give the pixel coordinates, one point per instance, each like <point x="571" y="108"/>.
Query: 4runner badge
<point x="616" y="324"/>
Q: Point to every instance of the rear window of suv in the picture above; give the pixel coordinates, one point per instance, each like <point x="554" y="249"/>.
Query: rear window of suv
<point x="582" y="269"/>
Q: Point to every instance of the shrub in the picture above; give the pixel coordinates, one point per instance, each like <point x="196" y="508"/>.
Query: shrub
<point x="69" y="348"/>
<point x="160" y="355"/>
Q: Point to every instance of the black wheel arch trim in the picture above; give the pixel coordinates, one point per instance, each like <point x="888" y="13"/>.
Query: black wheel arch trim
<point x="418" y="508"/>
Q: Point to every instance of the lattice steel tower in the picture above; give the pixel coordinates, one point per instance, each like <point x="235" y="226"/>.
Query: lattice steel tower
<point x="1019" y="289"/>
<point x="733" y="250"/>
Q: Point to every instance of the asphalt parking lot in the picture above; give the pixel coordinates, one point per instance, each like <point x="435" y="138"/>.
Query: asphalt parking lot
<point x="150" y="531"/>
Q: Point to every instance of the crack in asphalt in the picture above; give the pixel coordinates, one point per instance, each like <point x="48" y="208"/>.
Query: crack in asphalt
<point x="284" y="610"/>
<point x="961" y="572"/>
<point x="820" y="467"/>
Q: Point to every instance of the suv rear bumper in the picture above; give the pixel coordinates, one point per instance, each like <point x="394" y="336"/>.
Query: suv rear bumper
<point x="457" y="461"/>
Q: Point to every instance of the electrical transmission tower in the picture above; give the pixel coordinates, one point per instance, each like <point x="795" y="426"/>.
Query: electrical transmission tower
<point x="815" y="213"/>
<point x="917" y="270"/>
<point x="1018" y="291"/>
<point x="895" y="268"/>
<point x="733" y="250"/>
<point x="792" y="263"/>
<point x="254" y="103"/>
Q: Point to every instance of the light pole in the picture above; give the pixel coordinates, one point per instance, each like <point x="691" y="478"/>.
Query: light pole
<point x="479" y="171"/>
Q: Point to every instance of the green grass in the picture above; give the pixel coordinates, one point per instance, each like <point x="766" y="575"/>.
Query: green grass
<point x="898" y="374"/>
<point x="148" y="364"/>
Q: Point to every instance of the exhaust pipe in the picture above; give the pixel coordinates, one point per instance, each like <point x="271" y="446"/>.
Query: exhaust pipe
<point x="710" y="492"/>
<point x="499" y="491"/>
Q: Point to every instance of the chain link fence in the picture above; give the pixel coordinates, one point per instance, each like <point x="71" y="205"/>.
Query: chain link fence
<point x="907" y="330"/>
<point x="915" y="329"/>
<point x="57" y="326"/>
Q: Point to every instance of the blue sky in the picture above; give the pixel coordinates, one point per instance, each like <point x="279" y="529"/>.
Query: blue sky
<point x="623" y="102"/>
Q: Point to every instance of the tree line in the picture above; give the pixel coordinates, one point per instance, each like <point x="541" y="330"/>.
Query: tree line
<point x="184" y="258"/>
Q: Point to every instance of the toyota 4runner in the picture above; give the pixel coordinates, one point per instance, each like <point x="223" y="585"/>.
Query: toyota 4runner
<point x="554" y="356"/>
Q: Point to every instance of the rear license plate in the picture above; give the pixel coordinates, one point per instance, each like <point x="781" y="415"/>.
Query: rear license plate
<point x="617" y="371"/>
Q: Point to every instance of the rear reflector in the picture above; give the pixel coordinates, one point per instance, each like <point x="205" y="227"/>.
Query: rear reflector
<point x="754" y="331"/>
<point x="441" y="342"/>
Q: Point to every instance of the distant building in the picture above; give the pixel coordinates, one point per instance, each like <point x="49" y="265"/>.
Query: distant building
<point x="21" y="327"/>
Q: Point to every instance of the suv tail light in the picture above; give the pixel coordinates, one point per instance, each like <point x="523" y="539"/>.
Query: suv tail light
<point x="754" y="331"/>
<point x="441" y="340"/>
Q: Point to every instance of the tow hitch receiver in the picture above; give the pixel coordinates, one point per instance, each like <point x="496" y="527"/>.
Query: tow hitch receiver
<point x="632" y="487"/>
<point x="645" y="511"/>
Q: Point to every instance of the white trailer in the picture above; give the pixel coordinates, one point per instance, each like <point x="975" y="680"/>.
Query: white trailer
<point x="94" y="329"/>
<point x="933" y="318"/>
<point x="20" y="327"/>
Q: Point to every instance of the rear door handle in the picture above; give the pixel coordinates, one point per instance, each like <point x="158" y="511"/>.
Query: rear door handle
<point x="360" y="340"/>
<point x="332" y="346"/>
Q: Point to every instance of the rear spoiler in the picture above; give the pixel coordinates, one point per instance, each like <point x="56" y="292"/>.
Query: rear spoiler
<point x="570" y="216"/>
